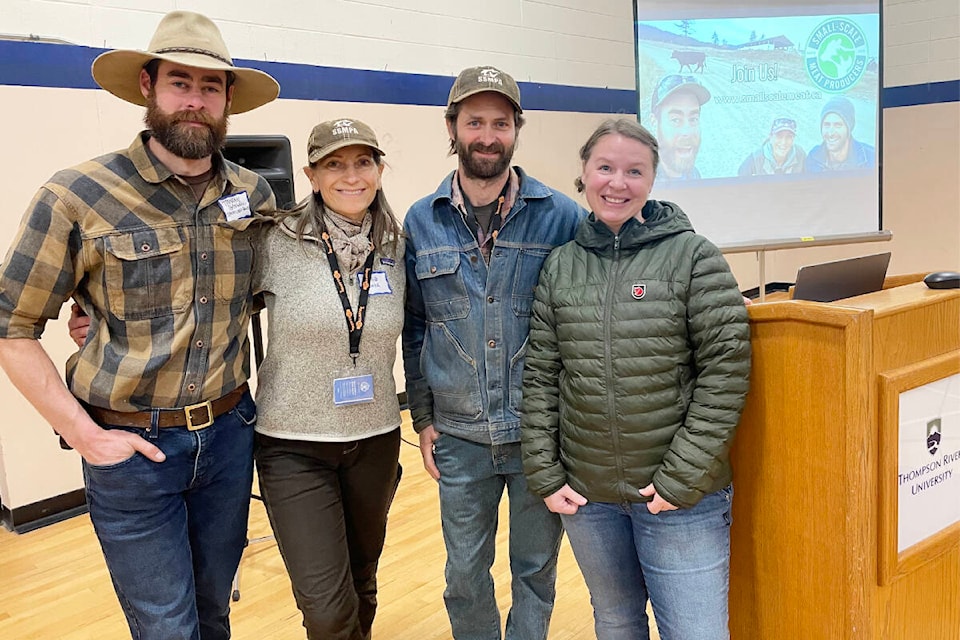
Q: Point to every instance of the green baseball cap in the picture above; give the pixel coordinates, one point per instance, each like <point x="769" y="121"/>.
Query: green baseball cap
<point x="331" y="135"/>
<point x="479" y="79"/>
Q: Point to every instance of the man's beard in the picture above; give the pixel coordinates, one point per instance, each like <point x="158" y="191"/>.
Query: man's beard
<point x="482" y="168"/>
<point x="679" y="164"/>
<point x="185" y="141"/>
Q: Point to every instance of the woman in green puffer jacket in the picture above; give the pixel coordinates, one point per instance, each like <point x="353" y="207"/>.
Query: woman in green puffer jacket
<point x="636" y="373"/>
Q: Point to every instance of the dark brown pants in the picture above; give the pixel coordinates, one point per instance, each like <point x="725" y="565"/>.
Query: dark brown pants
<point x="328" y="503"/>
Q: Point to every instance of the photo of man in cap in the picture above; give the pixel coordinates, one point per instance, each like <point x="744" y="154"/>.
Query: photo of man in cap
<point x="675" y="119"/>
<point x="153" y="242"/>
<point x="473" y="257"/>
<point x="778" y="154"/>
<point x="839" y="150"/>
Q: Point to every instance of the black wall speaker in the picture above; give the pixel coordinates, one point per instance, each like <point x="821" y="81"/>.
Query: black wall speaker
<point x="270" y="157"/>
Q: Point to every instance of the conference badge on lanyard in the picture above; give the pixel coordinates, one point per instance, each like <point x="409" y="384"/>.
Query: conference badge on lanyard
<point x="355" y="386"/>
<point x="353" y="390"/>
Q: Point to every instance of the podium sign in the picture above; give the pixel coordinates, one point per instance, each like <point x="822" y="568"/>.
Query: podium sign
<point x="919" y="464"/>
<point x="928" y="474"/>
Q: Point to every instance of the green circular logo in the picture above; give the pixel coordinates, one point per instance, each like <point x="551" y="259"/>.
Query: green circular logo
<point x="836" y="55"/>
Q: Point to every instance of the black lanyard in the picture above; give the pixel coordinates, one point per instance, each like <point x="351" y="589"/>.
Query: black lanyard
<point x="354" y="321"/>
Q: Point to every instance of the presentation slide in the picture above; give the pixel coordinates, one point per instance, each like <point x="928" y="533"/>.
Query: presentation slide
<point x="767" y="116"/>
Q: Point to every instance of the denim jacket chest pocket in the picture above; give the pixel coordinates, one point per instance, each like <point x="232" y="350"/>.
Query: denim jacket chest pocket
<point x="442" y="287"/>
<point x="529" y="262"/>
<point x="147" y="273"/>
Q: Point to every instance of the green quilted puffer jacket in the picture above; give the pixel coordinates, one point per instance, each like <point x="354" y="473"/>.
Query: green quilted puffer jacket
<point x="638" y="363"/>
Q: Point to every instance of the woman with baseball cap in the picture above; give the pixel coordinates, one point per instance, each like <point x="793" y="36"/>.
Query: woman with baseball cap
<point x="328" y="432"/>
<point x="778" y="154"/>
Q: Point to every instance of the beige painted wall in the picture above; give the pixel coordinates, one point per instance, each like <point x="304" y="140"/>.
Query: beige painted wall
<point x="47" y="129"/>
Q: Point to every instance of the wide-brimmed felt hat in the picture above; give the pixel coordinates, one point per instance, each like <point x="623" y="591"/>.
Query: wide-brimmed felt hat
<point x="190" y="39"/>
<point x="331" y="135"/>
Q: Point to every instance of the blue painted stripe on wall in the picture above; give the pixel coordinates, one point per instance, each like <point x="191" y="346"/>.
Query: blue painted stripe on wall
<point x="36" y="64"/>
<point x="930" y="93"/>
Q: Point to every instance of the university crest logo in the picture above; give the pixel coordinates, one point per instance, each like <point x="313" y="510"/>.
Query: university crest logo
<point x="933" y="436"/>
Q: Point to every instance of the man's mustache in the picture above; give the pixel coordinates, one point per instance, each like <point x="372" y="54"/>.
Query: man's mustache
<point x="496" y="147"/>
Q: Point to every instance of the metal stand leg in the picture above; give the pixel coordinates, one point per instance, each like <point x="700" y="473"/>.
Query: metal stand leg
<point x="235" y="595"/>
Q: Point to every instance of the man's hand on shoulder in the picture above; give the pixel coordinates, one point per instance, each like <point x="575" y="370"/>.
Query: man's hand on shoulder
<point x="79" y="324"/>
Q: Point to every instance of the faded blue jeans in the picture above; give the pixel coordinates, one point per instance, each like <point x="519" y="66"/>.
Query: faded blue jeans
<point x="172" y="532"/>
<point x="472" y="480"/>
<point x="680" y="560"/>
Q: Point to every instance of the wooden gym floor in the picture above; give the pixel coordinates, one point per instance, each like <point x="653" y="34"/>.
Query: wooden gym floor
<point x="54" y="584"/>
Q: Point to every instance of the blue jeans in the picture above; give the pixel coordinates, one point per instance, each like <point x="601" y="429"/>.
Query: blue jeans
<point x="472" y="479"/>
<point x="172" y="533"/>
<point x="679" y="559"/>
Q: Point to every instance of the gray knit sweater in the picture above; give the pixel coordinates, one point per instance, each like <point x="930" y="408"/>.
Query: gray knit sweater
<point x="308" y="347"/>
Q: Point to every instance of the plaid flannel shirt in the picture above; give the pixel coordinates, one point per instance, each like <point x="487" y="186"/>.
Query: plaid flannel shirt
<point x="165" y="281"/>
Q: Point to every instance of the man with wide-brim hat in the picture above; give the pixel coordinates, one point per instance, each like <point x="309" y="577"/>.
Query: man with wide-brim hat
<point x="153" y="242"/>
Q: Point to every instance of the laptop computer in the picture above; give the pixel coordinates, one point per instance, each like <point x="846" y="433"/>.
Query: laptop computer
<point x="842" y="278"/>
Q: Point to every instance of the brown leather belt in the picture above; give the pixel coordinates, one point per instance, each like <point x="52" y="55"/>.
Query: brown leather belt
<point x="194" y="417"/>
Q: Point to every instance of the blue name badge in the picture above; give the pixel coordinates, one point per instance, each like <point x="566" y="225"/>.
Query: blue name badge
<point x="353" y="390"/>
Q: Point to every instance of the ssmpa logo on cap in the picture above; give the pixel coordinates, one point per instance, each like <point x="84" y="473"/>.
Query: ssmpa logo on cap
<point x="639" y="290"/>
<point x="835" y="55"/>
<point x="490" y="75"/>
<point x="344" y="128"/>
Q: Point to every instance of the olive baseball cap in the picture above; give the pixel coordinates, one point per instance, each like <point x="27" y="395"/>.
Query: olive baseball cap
<point x="331" y="135"/>
<point x="479" y="79"/>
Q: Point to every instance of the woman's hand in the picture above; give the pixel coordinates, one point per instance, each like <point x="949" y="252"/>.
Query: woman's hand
<point x="79" y="325"/>
<point x="565" y="501"/>
<point x="657" y="504"/>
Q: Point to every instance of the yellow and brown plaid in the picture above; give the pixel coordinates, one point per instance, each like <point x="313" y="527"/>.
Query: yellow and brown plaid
<point x="164" y="279"/>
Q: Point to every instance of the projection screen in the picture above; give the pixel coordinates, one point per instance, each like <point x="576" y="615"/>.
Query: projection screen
<point x="767" y="115"/>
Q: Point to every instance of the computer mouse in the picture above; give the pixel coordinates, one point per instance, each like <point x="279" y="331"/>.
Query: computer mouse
<point x="943" y="280"/>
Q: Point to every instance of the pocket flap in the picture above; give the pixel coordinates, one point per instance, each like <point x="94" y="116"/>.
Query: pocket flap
<point x="437" y="264"/>
<point x="145" y="243"/>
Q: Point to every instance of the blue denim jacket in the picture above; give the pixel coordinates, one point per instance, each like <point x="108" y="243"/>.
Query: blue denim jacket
<point x="466" y="322"/>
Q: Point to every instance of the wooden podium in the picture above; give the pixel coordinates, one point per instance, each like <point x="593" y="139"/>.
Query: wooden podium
<point x="814" y="540"/>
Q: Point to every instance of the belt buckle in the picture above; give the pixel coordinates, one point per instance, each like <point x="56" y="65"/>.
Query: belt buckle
<point x="188" y="413"/>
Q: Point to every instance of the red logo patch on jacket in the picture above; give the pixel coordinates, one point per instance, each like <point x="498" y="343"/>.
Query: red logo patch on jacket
<point x="639" y="290"/>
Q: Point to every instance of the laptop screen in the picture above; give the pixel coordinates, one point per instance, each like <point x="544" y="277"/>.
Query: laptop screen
<point x="841" y="279"/>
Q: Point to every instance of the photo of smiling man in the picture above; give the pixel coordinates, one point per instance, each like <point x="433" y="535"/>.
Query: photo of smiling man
<point x="839" y="151"/>
<point x="675" y="117"/>
<point x="779" y="154"/>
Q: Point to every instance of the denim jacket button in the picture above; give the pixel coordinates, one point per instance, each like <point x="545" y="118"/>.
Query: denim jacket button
<point x="490" y="299"/>
<point x="492" y="344"/>
<point x="433" y="269"/>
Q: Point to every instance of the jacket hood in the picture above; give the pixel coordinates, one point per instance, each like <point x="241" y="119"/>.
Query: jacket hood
<point x="661" y="219"/>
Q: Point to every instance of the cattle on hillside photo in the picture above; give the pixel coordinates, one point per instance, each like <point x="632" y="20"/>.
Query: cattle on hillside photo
<point x="690" y="59"/>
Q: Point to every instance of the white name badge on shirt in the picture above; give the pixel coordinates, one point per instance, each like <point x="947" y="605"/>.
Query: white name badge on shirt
<point x="353" y="390"/>
<point x="379" y="284"/>
<point x="235" y="206"/>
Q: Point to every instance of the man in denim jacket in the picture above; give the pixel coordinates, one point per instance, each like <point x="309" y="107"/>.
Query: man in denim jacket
<point x="473" y="257"/>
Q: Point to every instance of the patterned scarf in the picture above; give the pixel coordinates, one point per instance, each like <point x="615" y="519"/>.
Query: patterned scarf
<point x="351" y="241"/>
